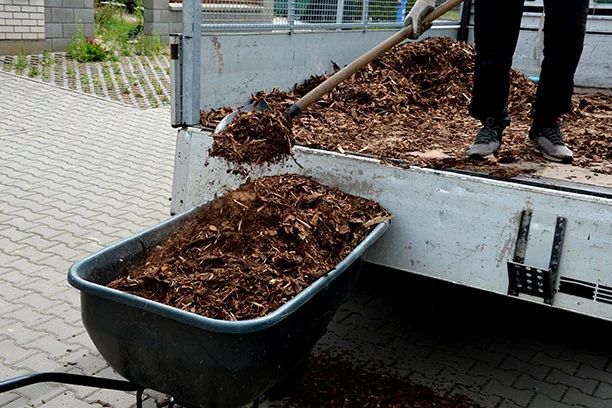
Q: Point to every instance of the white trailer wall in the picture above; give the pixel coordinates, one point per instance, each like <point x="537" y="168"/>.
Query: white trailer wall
<point x="235" y="66"/>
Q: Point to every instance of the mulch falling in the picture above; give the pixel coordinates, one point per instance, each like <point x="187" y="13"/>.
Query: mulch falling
<point x="334" y="382"/>
<point x="256" y="137"/>
<point x="412" y="103"/>
<point x="253" y="249"/>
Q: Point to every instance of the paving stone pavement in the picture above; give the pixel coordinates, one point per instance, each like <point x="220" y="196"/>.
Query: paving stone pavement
<point x="78" y="173"/>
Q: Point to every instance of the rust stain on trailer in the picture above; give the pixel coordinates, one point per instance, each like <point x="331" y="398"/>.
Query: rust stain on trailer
<point x="217" y="45"/>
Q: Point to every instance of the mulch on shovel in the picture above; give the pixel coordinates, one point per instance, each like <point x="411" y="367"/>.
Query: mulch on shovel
<point x="255" y="248"/>
<point x="336" y="383"/>
<point x="255" y="137"/>
<point x="412" y="104"/>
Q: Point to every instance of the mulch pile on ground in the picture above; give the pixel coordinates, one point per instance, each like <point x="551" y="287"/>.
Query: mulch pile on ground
<point x="412" y="104"/>
<point x="255" y="248"/>
<point x="335" y="383"/>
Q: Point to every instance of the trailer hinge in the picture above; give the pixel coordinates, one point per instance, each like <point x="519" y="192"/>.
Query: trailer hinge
<point x="532" y="280"/>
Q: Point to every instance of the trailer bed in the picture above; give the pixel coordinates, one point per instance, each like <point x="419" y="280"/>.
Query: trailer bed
<point x="460" y="227"/>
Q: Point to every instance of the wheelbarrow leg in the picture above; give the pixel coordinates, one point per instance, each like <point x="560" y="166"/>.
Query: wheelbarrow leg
<point x="139" y="398"/>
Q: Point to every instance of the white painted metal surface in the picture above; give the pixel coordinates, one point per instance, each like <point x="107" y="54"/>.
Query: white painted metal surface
<point x="449" y="226"/>
<point x="236" y="66"/>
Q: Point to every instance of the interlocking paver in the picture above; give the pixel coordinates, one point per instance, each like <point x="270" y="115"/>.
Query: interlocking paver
<point x="574" y="396"/>
<point x="536" y="371"/>
<point x="543" y="358"/>
<point x="586" y="370"/>
<point x="11" y="353"/>
<point x="585" y="386"/>
<point x="552" y="391"/>
<point x="604" y="391"/>
<point x="520" y="397"/>
<point x="543" y="401"/>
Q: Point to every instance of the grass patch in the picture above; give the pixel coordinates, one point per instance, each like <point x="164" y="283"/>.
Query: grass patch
<point x="21" y="63"/>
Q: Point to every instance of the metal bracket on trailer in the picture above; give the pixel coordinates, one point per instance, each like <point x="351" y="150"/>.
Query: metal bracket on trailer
<point x="531" y="280"/>
<point x="176" y="76"/>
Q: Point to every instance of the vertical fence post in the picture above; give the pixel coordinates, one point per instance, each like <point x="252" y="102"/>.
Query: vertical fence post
<point x="291" y="14"/>
<point x="364" y="14"/>
<point x="192" y="33"/>
<point x="340" y="12"/>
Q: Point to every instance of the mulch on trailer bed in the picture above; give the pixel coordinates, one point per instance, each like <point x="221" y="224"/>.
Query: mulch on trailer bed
<point x="255" y="248"/>
<point x="412" y="104"/>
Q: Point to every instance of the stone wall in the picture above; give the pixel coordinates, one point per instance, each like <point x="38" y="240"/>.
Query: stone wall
<point x="62" y="20"/>
<point x="22" y="26"/>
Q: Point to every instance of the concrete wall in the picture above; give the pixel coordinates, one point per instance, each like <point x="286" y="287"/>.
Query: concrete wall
<point x="63" y="18"/>
<point x="22" y="26"/>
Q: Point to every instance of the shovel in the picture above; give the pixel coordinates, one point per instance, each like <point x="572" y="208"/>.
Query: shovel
<point x="330" y="83"/>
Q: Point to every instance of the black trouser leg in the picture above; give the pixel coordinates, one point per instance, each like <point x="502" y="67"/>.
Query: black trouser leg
<point x="496" y="29"/>
<point x="564" y="31"/>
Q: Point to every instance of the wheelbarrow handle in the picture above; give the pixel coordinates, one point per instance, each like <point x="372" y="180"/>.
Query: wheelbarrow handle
<point x="65" y="378"/>
<point x="330" y="83"/>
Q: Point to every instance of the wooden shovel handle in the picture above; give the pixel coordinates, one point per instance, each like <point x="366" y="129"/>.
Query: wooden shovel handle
<point x="333" y="81"/>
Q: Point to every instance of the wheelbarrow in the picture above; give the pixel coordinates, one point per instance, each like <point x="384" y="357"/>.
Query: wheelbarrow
<point x="200" y="362"/>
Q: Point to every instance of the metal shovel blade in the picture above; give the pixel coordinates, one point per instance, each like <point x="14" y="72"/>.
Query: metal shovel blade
<point x="261" y="105"/>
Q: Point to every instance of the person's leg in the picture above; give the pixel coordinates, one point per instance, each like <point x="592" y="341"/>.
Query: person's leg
<point x="564" y="32"/>
<point x="496" y="29"/>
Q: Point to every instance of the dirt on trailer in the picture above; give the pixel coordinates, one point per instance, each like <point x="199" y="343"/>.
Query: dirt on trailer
<point x="255" y="248"/>
<point x="335" y="382"/>
<point x="411" y="104"/>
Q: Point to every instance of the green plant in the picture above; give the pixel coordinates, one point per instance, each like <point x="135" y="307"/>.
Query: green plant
<point x="34" y="72"/>
<point x="139" y="9"/>
<point x="46" y="60"/>
<point x="148" y="45"/>
<point x="21" y="62"/>
<point x="85" y="50"/>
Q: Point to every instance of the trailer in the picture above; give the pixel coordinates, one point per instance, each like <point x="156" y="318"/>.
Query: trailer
<point x="546" y="238"/>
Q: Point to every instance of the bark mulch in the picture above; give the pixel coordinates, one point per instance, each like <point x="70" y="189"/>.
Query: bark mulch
<point x="257" y="137"/>
<point x="255" y="248"/>
<point x="334" y="382"/>
<point x="412" y="103"/>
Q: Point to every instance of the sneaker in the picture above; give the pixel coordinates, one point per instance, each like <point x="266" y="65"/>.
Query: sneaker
<point x="488" y="140"/>
<point x="549" y="140"/>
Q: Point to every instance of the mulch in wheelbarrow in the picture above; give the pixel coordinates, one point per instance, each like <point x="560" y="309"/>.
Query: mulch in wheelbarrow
<point x="253" y="249"/>
<point x="412" y="104"/>
<point x="335" y="382"/>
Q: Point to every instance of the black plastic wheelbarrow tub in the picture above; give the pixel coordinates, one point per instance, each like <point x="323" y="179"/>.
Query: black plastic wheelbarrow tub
<point x="201" y="361"/>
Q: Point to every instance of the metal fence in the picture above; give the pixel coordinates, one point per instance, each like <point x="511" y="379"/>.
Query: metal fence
<point x="291" y="15"/>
